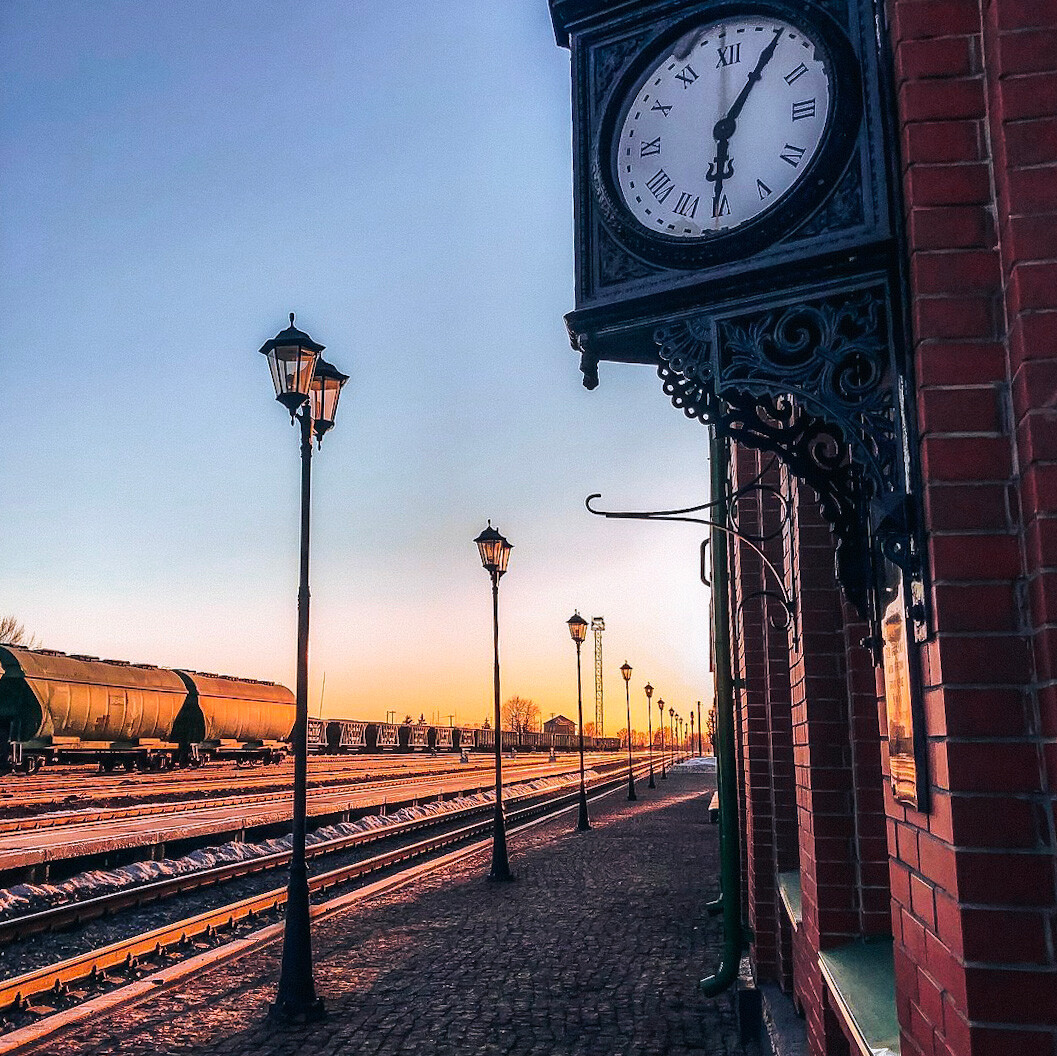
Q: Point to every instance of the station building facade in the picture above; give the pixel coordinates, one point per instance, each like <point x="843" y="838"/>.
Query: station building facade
<point x="898" y="865"/>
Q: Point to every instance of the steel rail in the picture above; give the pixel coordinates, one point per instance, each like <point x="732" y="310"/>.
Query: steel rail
<point x="15" y="993"/>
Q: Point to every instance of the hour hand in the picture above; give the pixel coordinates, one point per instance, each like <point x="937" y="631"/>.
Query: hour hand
<point x="721" y="168"/>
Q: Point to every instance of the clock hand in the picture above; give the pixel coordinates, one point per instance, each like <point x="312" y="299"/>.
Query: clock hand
<point x="722" y="166"/>
<point x="720" y="169"/>
<point x="725" y="126"/>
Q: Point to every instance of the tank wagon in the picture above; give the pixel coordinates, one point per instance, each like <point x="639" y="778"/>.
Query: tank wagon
<point x="234" y="718"/>
<point x="60" y="708"/>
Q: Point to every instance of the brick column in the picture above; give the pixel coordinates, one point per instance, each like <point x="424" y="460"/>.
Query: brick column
<point x="973" y="880"/>
<point x="823" y="765"/>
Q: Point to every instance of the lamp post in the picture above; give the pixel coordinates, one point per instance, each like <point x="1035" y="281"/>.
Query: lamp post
<point x="648" y="689"/>
<point x="660" y="708"/>
<point x="578" y="630"/>
<point x="671" y="728"/>
<point x="309" y="388"/>
<point x="625" y="670"/>
<point x="699" y="751"/>
<point x="495" y="553"/>
<point x="691" y="731"/>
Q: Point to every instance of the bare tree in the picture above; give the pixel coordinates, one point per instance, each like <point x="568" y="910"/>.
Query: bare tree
<point x="711" y="727"/>
<point x="520" y="715"/>
<point x="13" y="632"/>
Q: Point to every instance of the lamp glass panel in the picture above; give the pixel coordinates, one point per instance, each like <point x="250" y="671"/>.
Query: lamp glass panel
<point x="292" y="369"/>
<point x="324" y="395"/>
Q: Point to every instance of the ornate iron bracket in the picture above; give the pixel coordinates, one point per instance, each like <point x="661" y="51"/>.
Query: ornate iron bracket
<point x="815" y="381"/>
<point x="781" y="595"/>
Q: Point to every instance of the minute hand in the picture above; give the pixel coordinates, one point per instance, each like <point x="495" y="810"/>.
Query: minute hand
<point x="725" y="126"/>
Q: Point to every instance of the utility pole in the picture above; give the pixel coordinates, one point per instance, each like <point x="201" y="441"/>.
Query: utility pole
<point x="598" y="625"/>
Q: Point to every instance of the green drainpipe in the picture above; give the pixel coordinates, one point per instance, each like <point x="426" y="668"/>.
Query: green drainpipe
<point x="726" y="764"/>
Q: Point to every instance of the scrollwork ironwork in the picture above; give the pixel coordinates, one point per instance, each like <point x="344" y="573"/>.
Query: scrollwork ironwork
<point x="811" y="382"/>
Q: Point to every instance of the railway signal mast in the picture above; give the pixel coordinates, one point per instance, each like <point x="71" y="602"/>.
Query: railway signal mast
<point x="598" y="625"/>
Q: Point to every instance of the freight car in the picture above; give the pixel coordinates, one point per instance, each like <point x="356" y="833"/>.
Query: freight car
<point x="346" y="735"/>
<point x="59" y="708"/>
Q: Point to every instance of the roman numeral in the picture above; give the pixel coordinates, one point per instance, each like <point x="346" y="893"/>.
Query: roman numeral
<point x="687" y="76"/>
<point x="647" y="150"/>
<point x="763" y="189"/>
<point x="794" y="155"/>
<point x="666" y="110"/>
<point x="803" y="109"/>
<point x="660" y="185"/>
<point x="729" y="55"/>
<point x="686" y="206"/>
<point x="721" y="208"/>
<point x="795" y="75"/>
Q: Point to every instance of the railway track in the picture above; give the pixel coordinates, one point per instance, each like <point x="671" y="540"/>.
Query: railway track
<point x="379" y="783"/>
<point x="24" y="792"/>
<point x="35" y="995"/>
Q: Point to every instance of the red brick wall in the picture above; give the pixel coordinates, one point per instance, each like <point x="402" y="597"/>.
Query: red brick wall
<point x="973" y="881"/>
<point x="761" y="647"/>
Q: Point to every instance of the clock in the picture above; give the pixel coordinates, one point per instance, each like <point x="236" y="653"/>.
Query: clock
<point x="727" y="132"/>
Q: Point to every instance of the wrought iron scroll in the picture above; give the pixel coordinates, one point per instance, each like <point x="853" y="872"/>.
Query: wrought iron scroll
<point x="780" y="595"/>
<point x="813" y="382"/>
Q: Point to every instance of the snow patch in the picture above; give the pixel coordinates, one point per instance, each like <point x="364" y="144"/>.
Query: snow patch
<point x="23" y="899"/>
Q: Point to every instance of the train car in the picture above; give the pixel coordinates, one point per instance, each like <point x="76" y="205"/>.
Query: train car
<point x="414" y="737"/>
<point x="234" y="718"/>
<point x="486" y="740"/>
<point x="346" y="735"/>
<point x="382" y="737"/>
<point x="609" y="744"/>
<point x="56" y="707"/>
<point x="441" y="739"/>
<point x="533" y="741"/>
<point x="465" y="738"/>
<point x="316" y="735"/>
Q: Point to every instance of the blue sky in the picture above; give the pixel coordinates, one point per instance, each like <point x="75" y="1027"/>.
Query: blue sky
<point x="176" y="178"/>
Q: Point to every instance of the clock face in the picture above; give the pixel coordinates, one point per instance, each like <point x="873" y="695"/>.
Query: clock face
<point x="721" y="128"/>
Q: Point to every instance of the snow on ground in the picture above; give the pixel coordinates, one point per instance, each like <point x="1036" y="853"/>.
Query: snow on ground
<point x="22" y="899"/>
<point x="695" y="765"/>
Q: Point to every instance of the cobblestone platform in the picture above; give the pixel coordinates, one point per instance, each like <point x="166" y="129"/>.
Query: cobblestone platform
<point x="596" y="949"/>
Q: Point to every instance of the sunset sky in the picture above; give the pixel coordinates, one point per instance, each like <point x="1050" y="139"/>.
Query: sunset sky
<point x="177" y="178"/>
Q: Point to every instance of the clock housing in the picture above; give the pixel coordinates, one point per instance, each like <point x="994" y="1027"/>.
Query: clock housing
<point x="837" y="216"/>
<point x="726" y="133"/>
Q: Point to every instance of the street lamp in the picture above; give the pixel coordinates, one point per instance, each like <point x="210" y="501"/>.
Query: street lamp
<point x="495" y="553"/>
<point x="660" y="708"/>
<point x="671" y="727"/>
<point x="578" y="630"/>
<point x="309" y="388"/>
<point x="625" y="670"/>
<point x="699" y="752"/>
<point x="692" y="731"/>
<point x="649" y="730"/>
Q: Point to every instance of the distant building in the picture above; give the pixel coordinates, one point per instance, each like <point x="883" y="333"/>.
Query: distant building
<point x="559" y="724"/>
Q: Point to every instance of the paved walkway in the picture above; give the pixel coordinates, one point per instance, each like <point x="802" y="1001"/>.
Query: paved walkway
<point x="596" y="949"/>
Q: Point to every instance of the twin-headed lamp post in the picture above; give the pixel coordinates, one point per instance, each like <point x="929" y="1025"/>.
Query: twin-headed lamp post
<point x="309" y="388"/>
<point x="495" y="553"/>
<point x="578" y="631"/>
<point x="648" y="689"/>
<point x="625" y="670"/>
